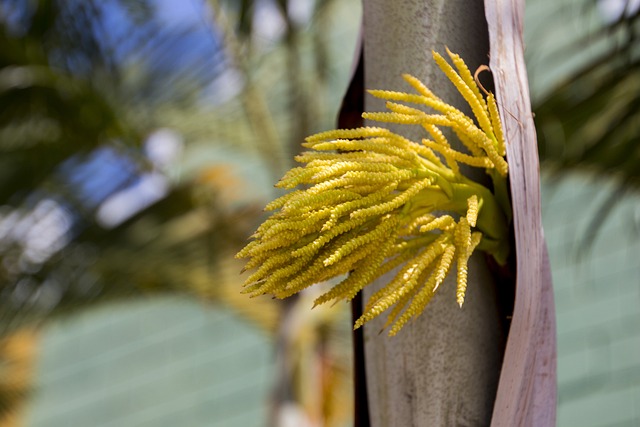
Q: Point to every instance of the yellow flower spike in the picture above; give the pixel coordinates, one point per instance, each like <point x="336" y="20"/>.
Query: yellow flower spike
<point x="419" y="86"/>
<point x="444" y="223"/>
<point x="441" y="145"/>
<point x="478" y="107"/>
<point x="395" y="140"/>
<point x="364" y="132"/>
<point x="296" y="176"/>
<point x="405" y="119"/>
<point x="419" y="301"/>
<point x="363" y="276"/>
<point x="376" y="196"/>
<point x="370" y="272"/>
<point x="353" y="178"/>
<point x="437" y="135"/>
<point x="378" y="190"/>
<point x="272" y="281"/>
<point x="398" y="201"/>
<point x="323" y="239"/>
<point x="466" y="76"/>
<point x="357" y="280"/>
<point x="426" y="293"/>
<point x="402" y="284"/>
<point x="307" y="204"/>
<point x="462" y="235"/>
<point x="463" y="258"/>
<point x="298" y="228"/>
<point x="364" y="202"/>
<point x="269" y="265"/>
<point x="315" y="158"/>
<point x="402" y="301"/>
<point x="280" y="240"/>
<point x="409" y="119"/>
<point x="444" y="266"/>
<point x="273" y="259"/>
<point x="461" y="285"/>
<point x="428" y="159"/>
<point x="434" y="103"/>
<point x="381" y="230"/>
<point x="339" y="168"/>
<point x="405" y="97"/>
<point x="318" y="272"/>
<point x="419" y="221"/>
<point x="482" y="140"/>
<point x="366" y="145"/>
<point x="280" y="201"/>
<point x="475" y="150"/>
<point x="402" y="109"/>
<point x="401" y="304"/>
<point x="497" y="125"/>
<point x="463" y="252"/>
<point x="473" y="208"/>
<point x="456" y="156"/>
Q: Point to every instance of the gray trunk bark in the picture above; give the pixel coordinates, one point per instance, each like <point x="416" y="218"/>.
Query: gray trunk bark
<point x="442" y="369"/>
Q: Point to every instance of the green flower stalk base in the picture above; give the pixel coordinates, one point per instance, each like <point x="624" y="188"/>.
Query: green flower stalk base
<point x="368" y="201"/>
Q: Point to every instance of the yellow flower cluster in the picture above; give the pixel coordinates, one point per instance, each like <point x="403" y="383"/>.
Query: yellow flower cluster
<point x="364" y="203"/>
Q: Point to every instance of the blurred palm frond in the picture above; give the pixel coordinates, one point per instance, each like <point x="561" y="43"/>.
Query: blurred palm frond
<point x="86" y="86"/>
<point x="590" y="120"/>
<point x="81" y="99"/>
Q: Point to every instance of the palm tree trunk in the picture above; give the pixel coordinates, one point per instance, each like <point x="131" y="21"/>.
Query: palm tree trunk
<point x="443" y="369"/>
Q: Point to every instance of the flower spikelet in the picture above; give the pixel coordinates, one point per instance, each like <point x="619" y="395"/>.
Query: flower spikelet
<point x="366" y="202"/>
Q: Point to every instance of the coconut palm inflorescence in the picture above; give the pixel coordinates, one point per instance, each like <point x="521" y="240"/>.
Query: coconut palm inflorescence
<point x="368" y="201"/>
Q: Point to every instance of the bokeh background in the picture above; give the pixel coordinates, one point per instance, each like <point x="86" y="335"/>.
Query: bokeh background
<point x="139" y="140"/>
